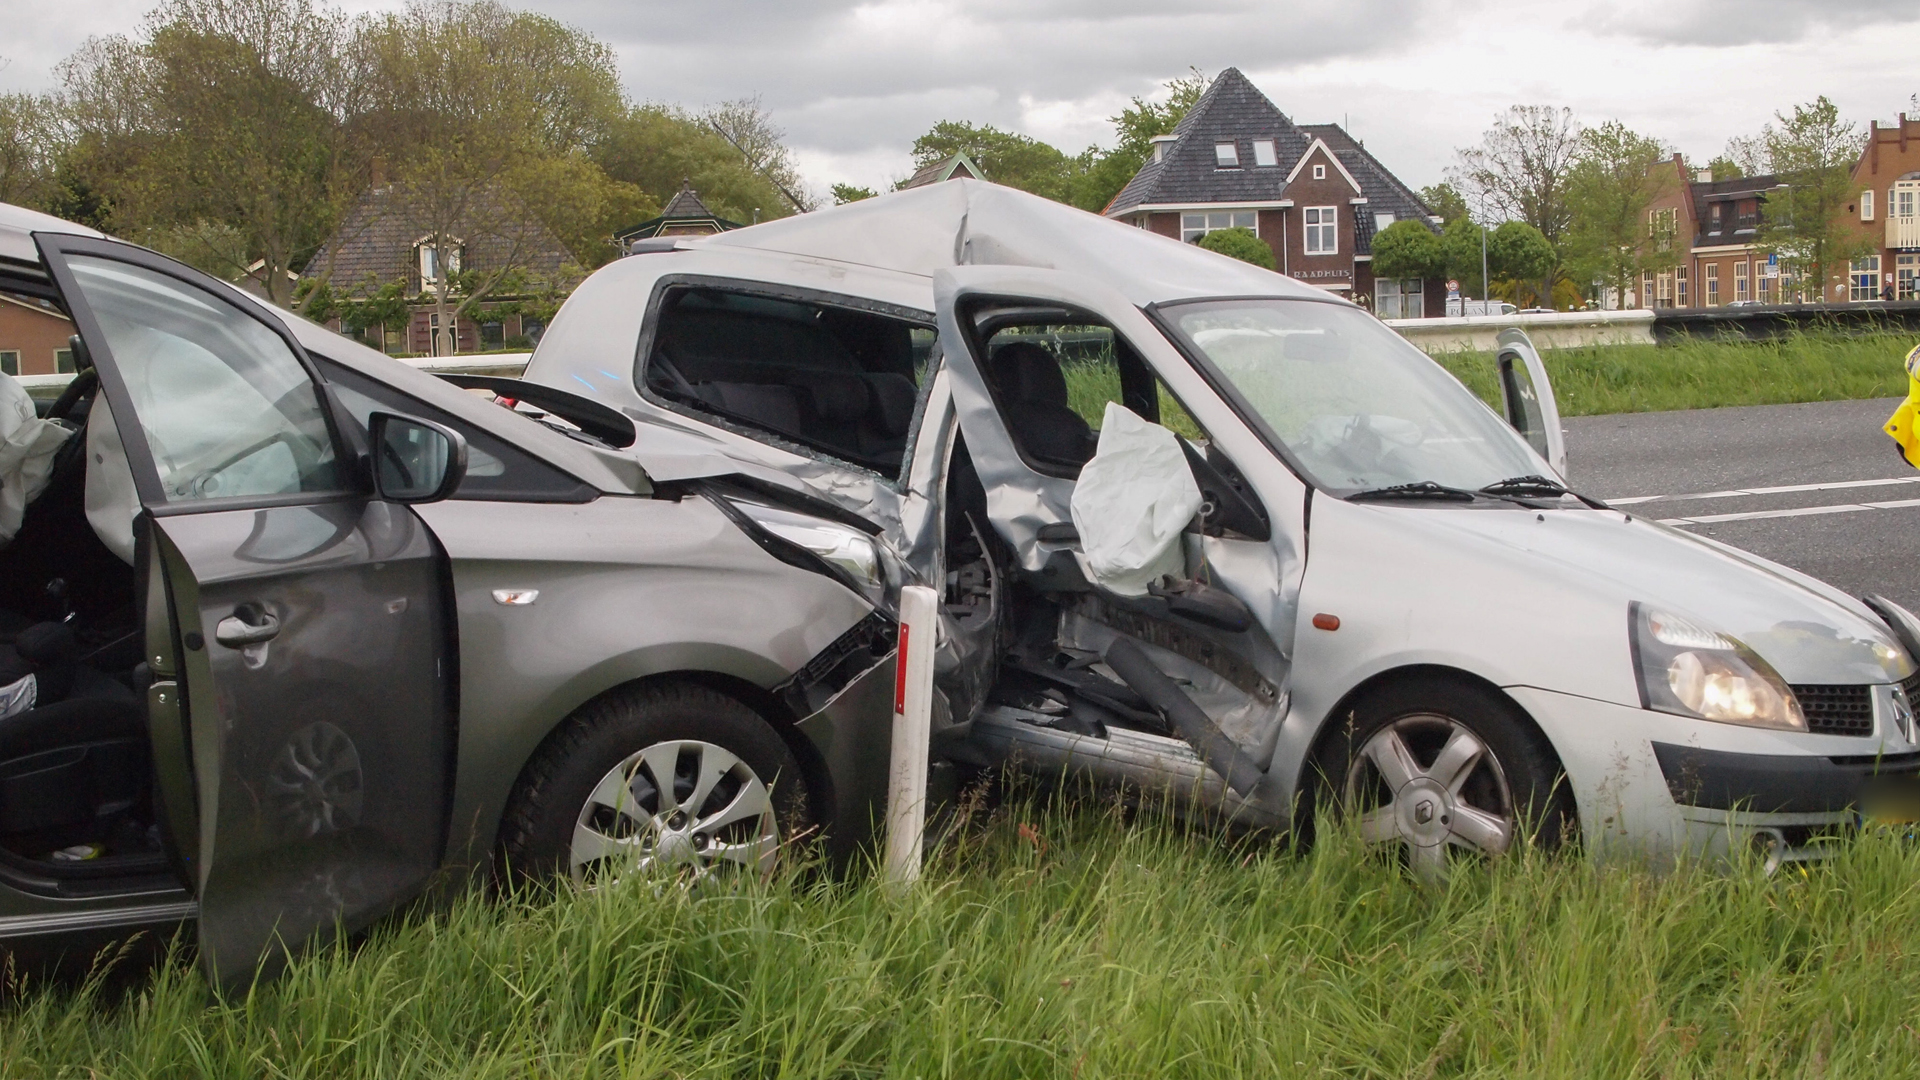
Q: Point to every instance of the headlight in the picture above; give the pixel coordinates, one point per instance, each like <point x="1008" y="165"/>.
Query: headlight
<point x="1904" y="624"/>
<point x="851" y="551"/>
<point x="1689" y="670"/>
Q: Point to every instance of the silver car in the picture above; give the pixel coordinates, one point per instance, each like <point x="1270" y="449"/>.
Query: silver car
<point x="1387" y="598"/>
<point x="290" y="630"/>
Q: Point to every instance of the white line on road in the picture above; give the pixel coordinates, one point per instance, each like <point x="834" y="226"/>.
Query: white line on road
<point x="1803" y="511"/>
<point x="1788" y="489"/>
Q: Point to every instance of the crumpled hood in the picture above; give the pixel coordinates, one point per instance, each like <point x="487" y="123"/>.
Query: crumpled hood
<point x="1809" y="631"/>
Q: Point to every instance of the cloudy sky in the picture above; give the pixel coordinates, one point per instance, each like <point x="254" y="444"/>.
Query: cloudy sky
<point x="853" y="83"/>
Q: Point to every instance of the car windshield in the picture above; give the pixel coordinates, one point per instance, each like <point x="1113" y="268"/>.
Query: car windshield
<point x="1351" y="402"/>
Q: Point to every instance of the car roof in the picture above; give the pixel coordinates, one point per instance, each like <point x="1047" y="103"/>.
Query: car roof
<point x="607" y="470"/>
<point x="973" y="223"/>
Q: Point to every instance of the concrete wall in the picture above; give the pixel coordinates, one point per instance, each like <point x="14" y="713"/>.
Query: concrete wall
<point x="1548" y="330"/>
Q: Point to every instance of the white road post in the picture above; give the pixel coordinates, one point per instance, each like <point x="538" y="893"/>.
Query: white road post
<point x="912" y="728"/>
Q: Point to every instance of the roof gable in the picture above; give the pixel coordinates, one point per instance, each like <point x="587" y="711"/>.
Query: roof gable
<point x="957" y="164"/>
<point x="1321" y="145"/>
<point x="1231" y="110"/>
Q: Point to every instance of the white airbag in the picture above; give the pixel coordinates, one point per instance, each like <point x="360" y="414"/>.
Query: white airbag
<point x="27" y="445"/>
<point x="1131" y="503"/>
<point x="111" y="501"/>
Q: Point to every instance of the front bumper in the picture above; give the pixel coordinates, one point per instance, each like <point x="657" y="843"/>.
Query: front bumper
<point x="1657" y="784"/>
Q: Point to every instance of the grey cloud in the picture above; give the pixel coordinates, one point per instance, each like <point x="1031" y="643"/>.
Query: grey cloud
<point x="1743" y="22"/>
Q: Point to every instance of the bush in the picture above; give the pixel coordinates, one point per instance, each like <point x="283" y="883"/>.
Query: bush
<point x="1407" y="249"/>
<point x="1240" y="244"/>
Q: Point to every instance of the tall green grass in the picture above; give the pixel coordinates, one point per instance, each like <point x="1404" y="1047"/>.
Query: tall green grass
<point x="1702" y="373"/>
<point x="1077" y="944"/>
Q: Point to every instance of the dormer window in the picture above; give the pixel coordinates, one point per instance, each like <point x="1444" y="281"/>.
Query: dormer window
<point x="1263" y="155"/>
<point x="1226" y="155"/>
<point x="1160" y="145"/>
<point x="432" y="258"/>
<point x="1319" y="172"/>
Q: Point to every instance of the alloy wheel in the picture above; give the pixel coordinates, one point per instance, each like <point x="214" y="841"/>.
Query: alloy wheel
<point x="1427" y="784"/>
<point x="681" y="808"/>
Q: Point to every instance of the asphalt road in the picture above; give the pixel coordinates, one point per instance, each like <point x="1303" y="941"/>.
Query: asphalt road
<point x="1851" y="516"/>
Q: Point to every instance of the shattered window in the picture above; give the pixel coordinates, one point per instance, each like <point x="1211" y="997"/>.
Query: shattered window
<point x="838" y="380"/>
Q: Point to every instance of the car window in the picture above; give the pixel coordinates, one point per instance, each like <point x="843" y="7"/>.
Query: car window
<point x="836" y="380"/>
<point x="224" y="403"/>
<point x="496" y="470"/>
<point x="1052" y="375"/>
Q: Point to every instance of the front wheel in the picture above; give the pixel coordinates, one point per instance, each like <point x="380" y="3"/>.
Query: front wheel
<point x="674" y="780"/>
<point x="1432" y="768"/>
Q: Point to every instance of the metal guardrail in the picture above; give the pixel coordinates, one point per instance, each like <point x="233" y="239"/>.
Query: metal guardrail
<point x="1774" y="320"/>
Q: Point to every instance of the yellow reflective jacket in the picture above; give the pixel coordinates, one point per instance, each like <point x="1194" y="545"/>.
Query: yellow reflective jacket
<point x="1905" y="424"/>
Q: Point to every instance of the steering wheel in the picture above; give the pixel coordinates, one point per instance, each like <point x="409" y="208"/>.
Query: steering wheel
<point x="82" y="386"/>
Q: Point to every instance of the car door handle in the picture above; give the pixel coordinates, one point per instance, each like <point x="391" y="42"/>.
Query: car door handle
<point x="250" y="624"/>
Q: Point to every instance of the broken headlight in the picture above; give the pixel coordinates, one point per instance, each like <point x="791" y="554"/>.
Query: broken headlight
<point x="1687" y="669"/>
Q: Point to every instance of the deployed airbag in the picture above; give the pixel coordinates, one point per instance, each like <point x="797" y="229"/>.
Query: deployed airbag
<point x="1132" y="501"/>
<point x="27" y="444"/>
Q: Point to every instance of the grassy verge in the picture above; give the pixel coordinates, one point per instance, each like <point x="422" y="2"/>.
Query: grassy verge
<point x="1078" y="945"/>
<point x="1705" y="374"/>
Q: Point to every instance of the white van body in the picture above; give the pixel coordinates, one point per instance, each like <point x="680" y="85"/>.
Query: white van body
<point x="1545" y="641"/>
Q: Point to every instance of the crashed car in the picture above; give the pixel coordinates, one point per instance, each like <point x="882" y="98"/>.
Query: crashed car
<point x="1355" y="583"/>
<point x="290" y="629"/>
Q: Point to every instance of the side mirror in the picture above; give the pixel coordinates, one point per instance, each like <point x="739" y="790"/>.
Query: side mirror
<point x="415" y="461"/>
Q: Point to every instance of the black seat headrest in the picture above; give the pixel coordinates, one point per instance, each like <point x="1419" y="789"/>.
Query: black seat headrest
<point x="894" y="397"/>
<point x="1029" y="375"/>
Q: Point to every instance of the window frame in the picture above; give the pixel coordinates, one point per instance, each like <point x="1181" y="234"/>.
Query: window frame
<point x="1319" y="171"/>
<point x="1226" y="154"/>
<point x="1713" y="284"/>
<point x="1857" y="273"/>
<point x="13" y="356"/>
<point x="650" y="328"/>
<point x="1866" y="205"/>
<point x="1271" y="155"/>
<point x="1310" y="233"/>
<point x="348" y="450"/>
<point x="1191" y="233"/>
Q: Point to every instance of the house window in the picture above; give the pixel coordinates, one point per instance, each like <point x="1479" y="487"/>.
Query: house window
<point x="63" y="361"/>
<point x="1195" y="226"/>
<point x="491" y="335"/>
<point x="1399" y="298"/>
<point x="1226" y="155"/>
<point x="1646" y="289"/>
<point x="1661" y="226"/>
<point x="1866" y="205"/>
<point x="1680" y="287"/>
<point x="10" y="361"/>
<point x="1263" y="155"/>
<point x="1713" y="284"/>
<point x="1906" y="276"/>
<point x="1381" y="220"/>
<point x="428" y="258"/>
<point x="1865" y="278"/>
<point x="1740" y="280"/>
<point x="1663" y="296"/>
<point x="1900" y="200"/>
<point x="1322" y="238"/>
<point x="1319" y="172"/>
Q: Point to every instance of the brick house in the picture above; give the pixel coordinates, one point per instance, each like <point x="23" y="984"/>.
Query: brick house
<point x="1311" y="191"/>
<point x="1712" y="227"/>
<point x="1885" y="213"/>
<point x="33" y="337"/>
<point x="380" y="241"/>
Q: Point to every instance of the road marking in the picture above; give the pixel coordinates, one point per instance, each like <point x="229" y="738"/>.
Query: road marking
<point x="1788" y="489"/>
<point x="1803" y="511"/>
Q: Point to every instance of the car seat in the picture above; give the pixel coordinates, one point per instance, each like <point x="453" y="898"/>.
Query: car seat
<point x="1033" y="392"/>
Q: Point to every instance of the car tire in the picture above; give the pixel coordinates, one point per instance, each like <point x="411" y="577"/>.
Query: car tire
<point x="1437" y="766"/>
<point x="592" y="801"/>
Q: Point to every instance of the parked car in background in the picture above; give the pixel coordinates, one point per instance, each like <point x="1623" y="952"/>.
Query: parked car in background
<point x="1381" y="594"/>
<point x="290" y="629"/>
<point x="1457" y="308"/>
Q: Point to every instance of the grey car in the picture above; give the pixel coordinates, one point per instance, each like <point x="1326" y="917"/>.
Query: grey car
<point x="305" y="630"/>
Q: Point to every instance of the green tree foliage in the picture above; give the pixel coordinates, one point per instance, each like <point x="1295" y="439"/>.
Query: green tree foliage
<point x="659" y="147"/>
<point x="1007" y="157"/>
<point x="1101" y="174"/>
<point x="1240" y="244"/>
<point x="1813" y="149"/>
<point x="1445" y="200"/>
<point x="1521" y="170"/>
<point x="761" y="145"/>
<point x="1618" y="176"/>
<point x="1723" y="167"/>
<point x="1408" y="249"/>
<point x="1517" y="251"/>
<point x="26" y="137"/>
<point x="1460" y="249"/>
<point x="846" y="193"/>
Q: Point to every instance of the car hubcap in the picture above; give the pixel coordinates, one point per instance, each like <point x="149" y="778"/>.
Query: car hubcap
<point x="683" y="807"/>
<point x="1426" y="783"/>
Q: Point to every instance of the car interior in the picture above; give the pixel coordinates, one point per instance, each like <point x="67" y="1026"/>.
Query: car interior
<point x="827" y="379"/>
<point x="1052" y="374"/>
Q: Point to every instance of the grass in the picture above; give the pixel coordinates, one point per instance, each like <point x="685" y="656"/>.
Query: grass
<point x="1700" y="373"/>
<point x="1063" y="943"/>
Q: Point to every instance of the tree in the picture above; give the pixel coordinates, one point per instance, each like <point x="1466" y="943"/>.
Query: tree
<point x="657" y="148"/>
<point x="1517" y="251"/>
<point x="1462" y="244"/>
<point x="1521" y="169"/>
<point x="1007" y="157"/>
<point x="1408" y="249"/>
<point x="1617" y="178"/>
<point x="1099" y="175"/>
<point x="26" y="136"/>
<point x="1813" y="151"/>
<point x="224" y="114"/>
<point x="1445" y="201"/>
<point x="762" y="145"/>
<point x="1240" y="244"/>
<point x="1724" y="167"/>
<point x="846" y="193"/>
<point x="488" y="114"/>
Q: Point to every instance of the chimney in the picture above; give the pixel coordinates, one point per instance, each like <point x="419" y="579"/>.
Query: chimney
<point x="1703" y="176"/>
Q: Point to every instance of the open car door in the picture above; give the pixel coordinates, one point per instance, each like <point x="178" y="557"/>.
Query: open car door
<point x="296" y="631"/>
<point x="1526" y="398"/>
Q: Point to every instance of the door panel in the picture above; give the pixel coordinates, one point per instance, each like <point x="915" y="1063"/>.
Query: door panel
<point x="1526" y="398"/>
<point x="317" y="716"/>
